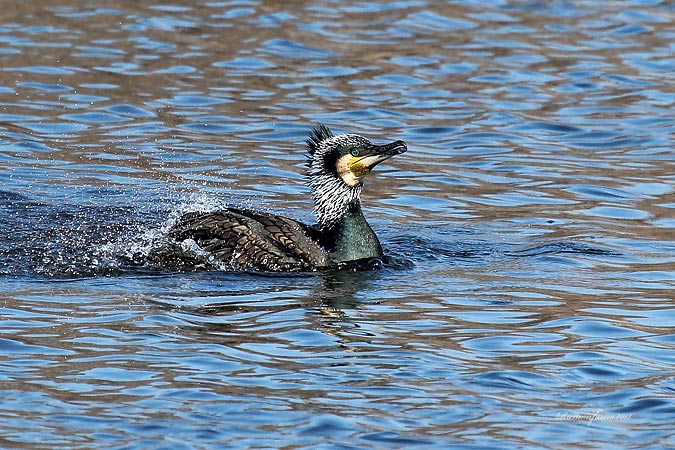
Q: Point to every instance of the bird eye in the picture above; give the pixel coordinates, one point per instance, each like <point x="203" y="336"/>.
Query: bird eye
<point x="355" y="152"/>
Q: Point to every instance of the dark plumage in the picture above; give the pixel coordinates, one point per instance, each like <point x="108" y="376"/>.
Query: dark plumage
<point x="247" y="240"/>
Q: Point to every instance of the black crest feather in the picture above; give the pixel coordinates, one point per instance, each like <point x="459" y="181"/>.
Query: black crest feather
<point x="319" y="133"/>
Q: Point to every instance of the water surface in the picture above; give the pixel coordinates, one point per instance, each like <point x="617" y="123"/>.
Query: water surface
<point x="529" y="303"/>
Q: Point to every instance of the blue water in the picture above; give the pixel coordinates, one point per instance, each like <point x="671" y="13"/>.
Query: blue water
<point x="528" y="298"/>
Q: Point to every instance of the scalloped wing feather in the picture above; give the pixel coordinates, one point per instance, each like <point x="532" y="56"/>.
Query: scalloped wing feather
<point x="247" y="240"/>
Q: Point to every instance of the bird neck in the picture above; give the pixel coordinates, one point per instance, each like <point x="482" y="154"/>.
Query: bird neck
<point x="332" y="198"/>
<point x="351" y="236"/>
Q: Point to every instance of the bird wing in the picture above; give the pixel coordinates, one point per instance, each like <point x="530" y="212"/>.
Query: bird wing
<point x="248" y="240"/>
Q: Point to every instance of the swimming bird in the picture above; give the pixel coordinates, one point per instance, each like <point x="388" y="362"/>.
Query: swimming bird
<point x="247" y="240"/>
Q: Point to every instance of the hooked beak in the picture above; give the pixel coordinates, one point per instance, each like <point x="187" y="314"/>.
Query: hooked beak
<point x="373" y="155"/>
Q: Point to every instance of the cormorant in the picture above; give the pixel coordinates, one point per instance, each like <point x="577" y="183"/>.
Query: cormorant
<point x="257" y="241"/>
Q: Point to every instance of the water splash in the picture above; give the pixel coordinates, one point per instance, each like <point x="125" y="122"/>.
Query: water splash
<point x="80" y="240"/>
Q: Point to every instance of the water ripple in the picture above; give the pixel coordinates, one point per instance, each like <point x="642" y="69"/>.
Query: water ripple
<point x="526" y="297"/>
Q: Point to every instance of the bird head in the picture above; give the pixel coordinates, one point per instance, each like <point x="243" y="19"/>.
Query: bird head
<point x="337" y="166"/>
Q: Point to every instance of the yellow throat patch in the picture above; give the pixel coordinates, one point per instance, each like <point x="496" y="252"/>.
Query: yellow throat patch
<point x="351" y="170"/>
